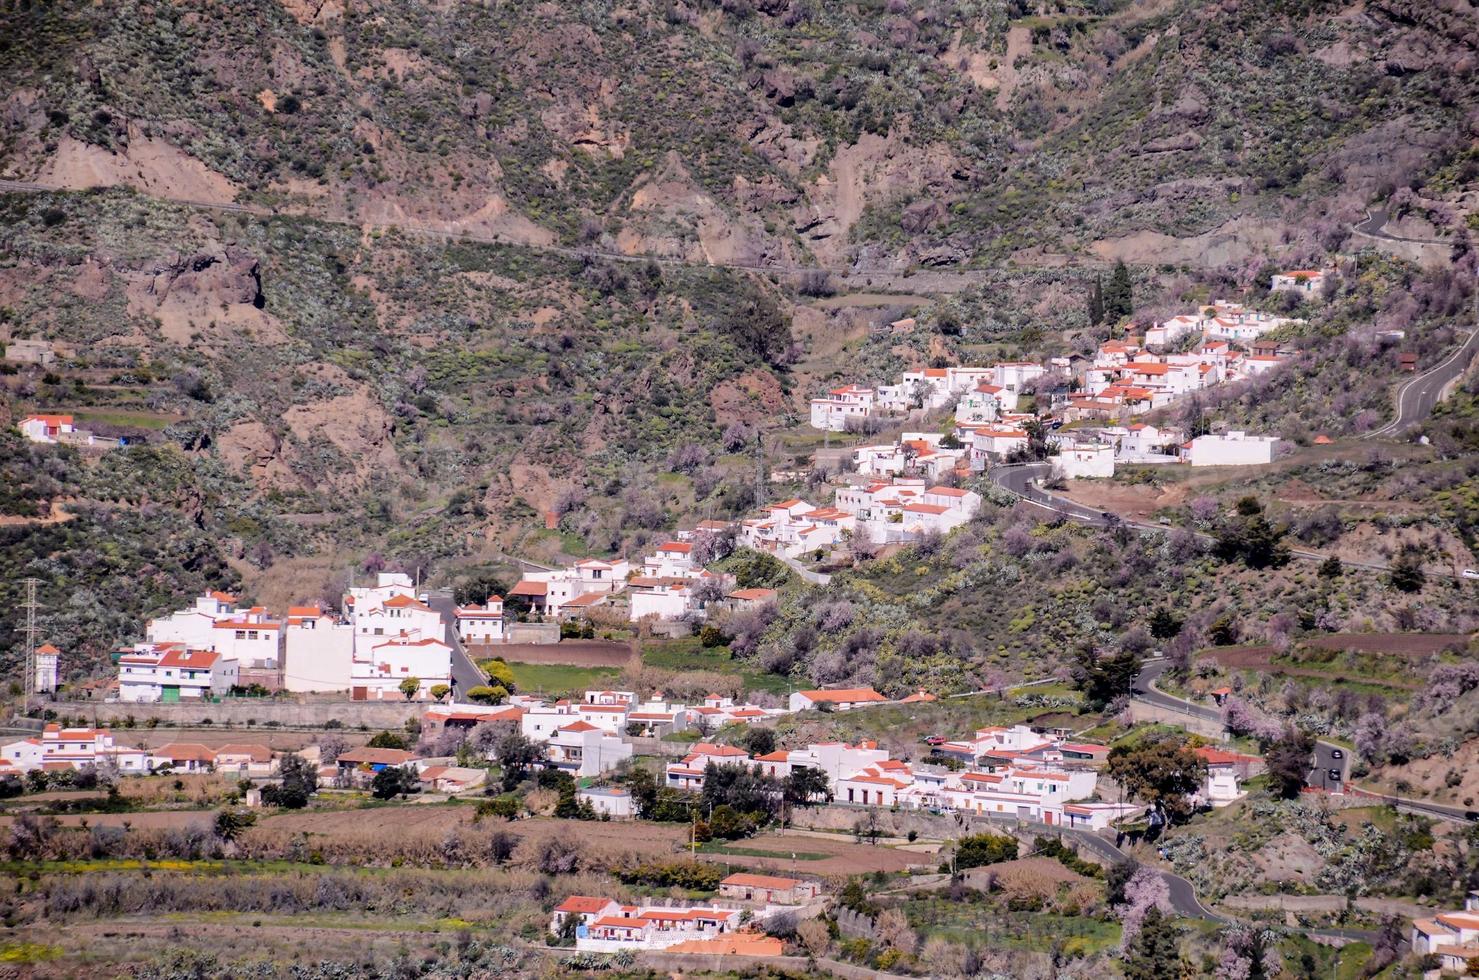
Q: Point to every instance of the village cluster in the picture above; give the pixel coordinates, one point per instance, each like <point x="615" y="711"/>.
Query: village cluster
<point x="386" y="642"/>
<point x="1015" y="773"/>
<point x="1125" y="378"/>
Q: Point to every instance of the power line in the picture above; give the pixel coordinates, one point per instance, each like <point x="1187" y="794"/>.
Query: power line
<point x="31" y="630"/>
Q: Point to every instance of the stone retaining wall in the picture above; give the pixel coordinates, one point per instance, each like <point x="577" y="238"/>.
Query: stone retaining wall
<point x="310" y="714"/>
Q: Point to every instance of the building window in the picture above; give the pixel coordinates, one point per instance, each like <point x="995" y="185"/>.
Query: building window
<point x="241" y="634"/>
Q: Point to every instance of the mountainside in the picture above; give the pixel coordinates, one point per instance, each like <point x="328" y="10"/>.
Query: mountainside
<point x="353" y="370"/>
<point x="774" y="131"/>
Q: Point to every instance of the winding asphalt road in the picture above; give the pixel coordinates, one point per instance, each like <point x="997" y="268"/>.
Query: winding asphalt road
<point x="465" y="673"/>
<point x="1375" y="227"/>
<point x="1417" y="397"/>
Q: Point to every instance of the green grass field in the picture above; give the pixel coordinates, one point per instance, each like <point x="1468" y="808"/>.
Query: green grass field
<point x="560" y="678"/>
<point x="138" y="420"/>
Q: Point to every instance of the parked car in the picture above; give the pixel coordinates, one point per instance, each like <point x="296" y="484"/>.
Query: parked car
<point x="934" y="740"/>
<point x="1337" y="753"/>
<point x="1335" y="775"/>
<point x="1471" y="573"/>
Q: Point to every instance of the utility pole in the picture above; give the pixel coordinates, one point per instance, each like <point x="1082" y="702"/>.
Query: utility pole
<point x="760" y="493"/>
<point x="31" y="630"/>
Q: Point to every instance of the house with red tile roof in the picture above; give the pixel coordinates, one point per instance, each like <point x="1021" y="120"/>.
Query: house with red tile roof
<point x="688" y="773"/>
<point x="1305" y="283"/>
<point x="745" y="886"/>
<point x="1452" y="937"/>
<point x="849" y="404"/>
<point x="1226" y="772"/>
<point x="73" y="748"/>
<point x="183" y="757"/>
<point x="481" y="624"/>
<point x="604" y="925"/>
<point x="52" y="429"/>
<point x="583" y="749"/>
<point x="171" y="672"/>
<point x="840" y="699"/>
<point x="382" y="663"/>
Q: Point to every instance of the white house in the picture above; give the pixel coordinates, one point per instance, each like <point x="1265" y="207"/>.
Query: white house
<point x="45" y="678"/>
<point x="995" y="443"/>
<point x="381" y="664"/>
<point x="254" y="640"/>
<point x="879" y="460"/>
<point x="1013" y="375"/>
<point x="582" y="750"/>
<point x="875" y="501"/>
<point x="836" y="760"/>
<point x="1453" y="937"/>
<point x="1226" y="772"/>
<point x="1305" y="282"/>
<point x="841" y="699"/>
<point x="59" y="747"/>
<point x="318" y="650"/>
<point x="480" y="625"/>
<point x="1167" y="332"/>
<point x="602" y="925"/>
<point x="1234" y="448"/>
<point x="968" y="502"/>
<point x="879" y="784"/>
<point x="540" y="720"/>
<point x="666" y="599"/>
<point x="1083" y="461"/>
<point x="985" y="403"/>
<point x="193" y="627"/>
<point x="601" y="575"/>
<point x="610" y="801"/>
<point x="841" y="405"/>
<point x="670" y="559"/>
<point x="549" y="592"/>
<point x="170" y="672"/>
<point x="46" y="428"/>
<point x="396" y="616"/>
<point x="610" y="718"/>
<point x="388" y="585"/>
<point x="688" y="773"/>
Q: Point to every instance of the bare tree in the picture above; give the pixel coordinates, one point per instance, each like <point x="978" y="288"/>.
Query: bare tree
<point x="814" y="938"/>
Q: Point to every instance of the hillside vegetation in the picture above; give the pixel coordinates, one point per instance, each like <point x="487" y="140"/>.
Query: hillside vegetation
<point x="328" y="387"/>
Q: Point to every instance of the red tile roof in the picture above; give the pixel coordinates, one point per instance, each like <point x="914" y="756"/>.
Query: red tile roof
<point x="583" y="905"/>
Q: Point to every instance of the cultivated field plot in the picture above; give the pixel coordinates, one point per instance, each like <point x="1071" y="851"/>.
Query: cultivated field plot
<point x="148" y="820"/>
<point x="601" y="840"/>
<point x="815" y="855"/>
<point x="1404" y="644"/>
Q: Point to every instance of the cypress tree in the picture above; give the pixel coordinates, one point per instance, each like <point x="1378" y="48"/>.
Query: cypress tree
<point x="1119" y="300"/>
